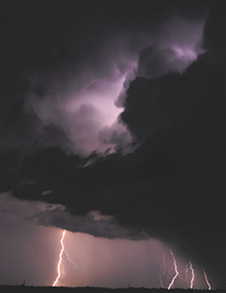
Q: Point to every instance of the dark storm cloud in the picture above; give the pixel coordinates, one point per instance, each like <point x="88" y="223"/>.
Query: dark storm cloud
<point x="172" y="185"/>
<point x="94" y="223"/>
<point x="185" y="152"/>
<point x="55" y="215"/>
<point x="73" y="85"/>
<point x="93" y="101"/>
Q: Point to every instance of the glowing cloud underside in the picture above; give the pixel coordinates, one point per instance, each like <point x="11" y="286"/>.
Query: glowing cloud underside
<point x="102" y="96"/>
<point x="91" y="117"/>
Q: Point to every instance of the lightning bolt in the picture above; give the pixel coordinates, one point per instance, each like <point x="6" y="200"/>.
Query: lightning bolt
<point x="176" y="271"/>
<point x="172" y="282"/>
<point x="60" y="258"/>
<point x="192" y="275"/>
<point x="207" y="280"/>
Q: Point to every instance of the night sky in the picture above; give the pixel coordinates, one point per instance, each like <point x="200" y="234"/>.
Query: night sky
<point x="112" y="127"/>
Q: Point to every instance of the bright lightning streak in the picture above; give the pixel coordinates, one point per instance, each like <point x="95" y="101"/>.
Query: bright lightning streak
<point x="207" y="281"/>
<point x="60" y="259"/>
<point x="192" y="275"/>
<point x="176" y="271"/>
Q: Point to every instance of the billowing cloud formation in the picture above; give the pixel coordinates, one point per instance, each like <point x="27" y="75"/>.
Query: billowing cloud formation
<point x="85" y="115"/>
<point x="87" y="108"/>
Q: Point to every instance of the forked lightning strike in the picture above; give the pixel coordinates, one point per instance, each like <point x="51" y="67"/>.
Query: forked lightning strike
<point x="60" y="259"/>
<point x="207" y="281"/>
<point x="176" y="271"/>
<point x="172" y="282"/>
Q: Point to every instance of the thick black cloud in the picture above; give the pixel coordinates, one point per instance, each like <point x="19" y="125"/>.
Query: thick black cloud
<point x="190" y="154"/>
<point x="173" y="184"/>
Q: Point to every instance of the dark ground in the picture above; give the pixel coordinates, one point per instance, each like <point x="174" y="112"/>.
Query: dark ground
<point x="97" y="290"/>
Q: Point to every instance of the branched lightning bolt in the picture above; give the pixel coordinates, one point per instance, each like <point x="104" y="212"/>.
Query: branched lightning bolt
<point x="172" y="282"/>
<point x="192" y="275"/>
<point x="60" y="259"/>
<point x="207" y="280"/>
<point x="176" y="271"/>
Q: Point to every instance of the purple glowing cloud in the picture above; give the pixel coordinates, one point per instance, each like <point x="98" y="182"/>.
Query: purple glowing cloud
<point x="87" y="108"/>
